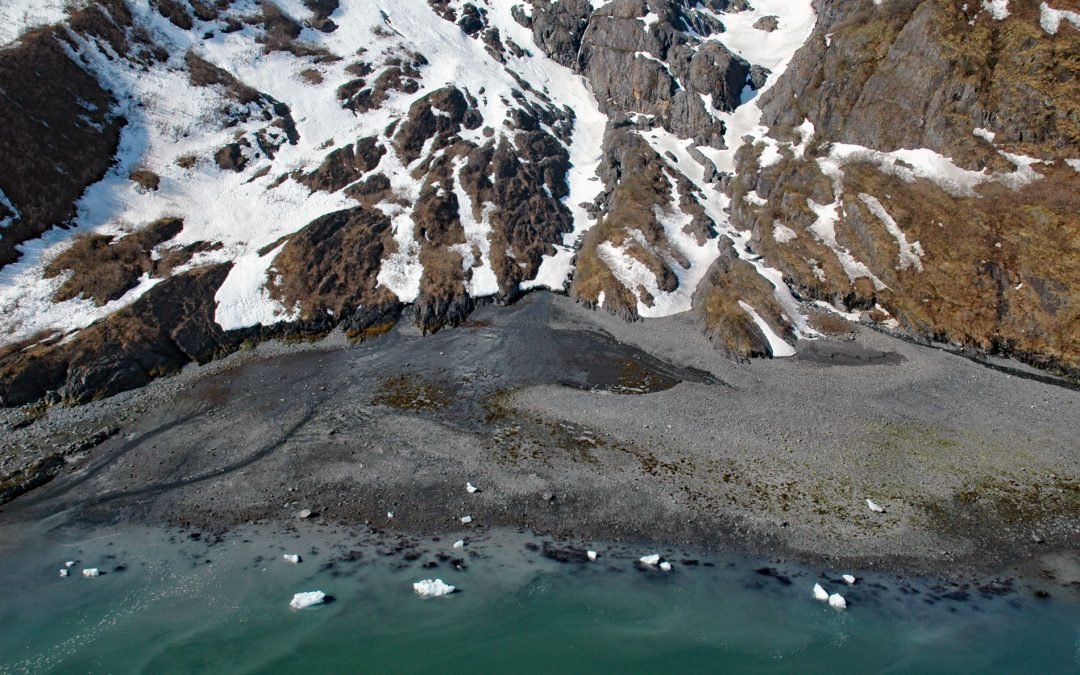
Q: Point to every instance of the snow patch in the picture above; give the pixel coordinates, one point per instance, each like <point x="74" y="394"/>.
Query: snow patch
<point x="1050" y="19"/>
<point x="910" y="254"/>
<point x="18" y="17"/>
<point x="999" y="9"/>
<point x="777" y="345"/>
<point x="243" y="299"/>
<point x="824" y="228"/>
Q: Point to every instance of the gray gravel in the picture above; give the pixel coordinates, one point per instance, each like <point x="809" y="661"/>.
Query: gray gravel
<point x="540" y="406"/>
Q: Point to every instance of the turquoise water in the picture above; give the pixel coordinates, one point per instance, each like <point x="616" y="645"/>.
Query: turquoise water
<point x="185" y="605"/>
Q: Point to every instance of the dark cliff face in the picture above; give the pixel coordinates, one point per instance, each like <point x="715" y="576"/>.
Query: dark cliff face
<point x="999" y="266"/>
<point x="912" y="168"/>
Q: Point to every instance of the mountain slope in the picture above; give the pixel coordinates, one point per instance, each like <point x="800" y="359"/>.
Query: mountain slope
<point x="288" y="167"/>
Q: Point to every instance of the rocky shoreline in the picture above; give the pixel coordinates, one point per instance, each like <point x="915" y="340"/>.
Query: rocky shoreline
<point x="578" y="425"/>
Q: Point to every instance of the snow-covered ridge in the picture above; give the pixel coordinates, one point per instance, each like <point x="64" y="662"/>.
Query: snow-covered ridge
<point x="21" y="16"/>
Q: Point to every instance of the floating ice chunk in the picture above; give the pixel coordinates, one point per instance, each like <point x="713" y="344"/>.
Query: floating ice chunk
<point x="460" y="543"/>
<point x="665" y="566"/>
<point x="63" y="572"/>
<point x="849" y="579"/>
<point x="294" y="558"/>
<point x="874" y="507"/>
<point x="69" y="564"/>
<point x="465" y="520"/>
<point x="650" y="560"/>
<point x="820" y="593"/>
<point x="306" y="513"/>
<point x="591" y="555"/>
<point x="836" y="600"/>
<point x="389" y="514"/>
<point x="432" y="588"/>
<point x="91" y="572"/>
<point x="470" y="488"/>
<point x="308" y="599"/>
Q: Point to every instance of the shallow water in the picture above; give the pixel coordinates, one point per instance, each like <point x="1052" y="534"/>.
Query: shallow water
<point x="170" y="603"/>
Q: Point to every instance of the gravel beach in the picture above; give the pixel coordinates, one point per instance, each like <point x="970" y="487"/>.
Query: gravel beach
<point x="576" y="424"/>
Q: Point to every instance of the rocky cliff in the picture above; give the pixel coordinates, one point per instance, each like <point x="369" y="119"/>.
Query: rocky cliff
<point x="180" y="176"/>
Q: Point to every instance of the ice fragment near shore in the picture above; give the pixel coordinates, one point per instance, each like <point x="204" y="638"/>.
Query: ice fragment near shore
<point x="465" y="520"/>
<point x="650" y="560"/>
<point x="837" y="601"/>
<point x="294" y="558"/>
<point x="91" y="572"/>
<point x="432" y="588"/>
<point x="470" y="488"/>
<point x="874" y="507"/>
<point x="63" y="572"/>
<point x="591" y="555"/>
<point x="665" y="566"/>
<point x="820" y="593"/>
<point x="849" y="579"/>
<point x="307" y="599"/>
<point x="69" y="564"/>
<point x="460" y="543"/>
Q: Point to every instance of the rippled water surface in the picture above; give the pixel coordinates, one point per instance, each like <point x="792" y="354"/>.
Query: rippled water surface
<point x="168" y="602"/>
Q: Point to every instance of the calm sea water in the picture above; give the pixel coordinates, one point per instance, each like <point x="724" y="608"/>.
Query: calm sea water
<point x="167" y="603"/>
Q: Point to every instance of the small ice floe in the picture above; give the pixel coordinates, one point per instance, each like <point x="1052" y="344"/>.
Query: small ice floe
<point x="390" y="514"/>
<point x="591" y="555"/>
<point x="63" y="572"/>
<point x="460" y="543"/>
<point x="874" y="507"/>
<point x="69" y="564"/>
<point x="294" y="558"/>
<point x="471" y="489"/>
<point x="432" y="588"/>
<point x="665" y="566"/>
<point x="91" y="572"/>
<point x="849" y="579"/>
<point x="837" y="601"/>
<point x="465" y="520"/>
<point x="307" y="599"/>
<point x="820" y="593"/>
<point x="650" y="560"/>
<point x="306" y="513"/>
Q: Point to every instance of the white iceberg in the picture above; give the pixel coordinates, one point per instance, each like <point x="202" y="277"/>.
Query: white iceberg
<point x="836" y="600"/>
<point x="465" y="520"/>
<point x="432" y="588"/>
<point x="650" y="560"/>
<point x="874" y="507"/>
<point x="591" y="555"/>
<point x="849" y="579"/>
<point x="69" y="564"/>
<point x="820" y="593"/>
<point x="308" y="599"/>
<point x="63" y="572"/>
<point x="665" y="566"/>
<point x="470" y="488"/>
<point x="91" y="572"/>
<point x="294" y="558"/>
<point x="460" y="543"/>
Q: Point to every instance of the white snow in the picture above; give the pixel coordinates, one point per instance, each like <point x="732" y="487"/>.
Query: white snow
<point x="824" y="228"/>
<point x="243" y="299"/>
<point x="909" y="165"/>
<point x="999" y="9"/>
<point x="294" y="558"/>
<point x="483" y="281"/>
<point x="15" y="215"/>
<point x="779" y="347"/>
<point x="984" y="134"/>
<point x="307" y="599"/>
<point x="872" y="505"/>
<point x="1050" y="19"/>
<point x="820" y="593"/>
<point x="21" y="16"/>
<point x="782" y="233"/>
<point x="1074" y="163"/>
<point x="910" y="254"/>
<point x="837" y="601"/>
<point x="432" y="588"/>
